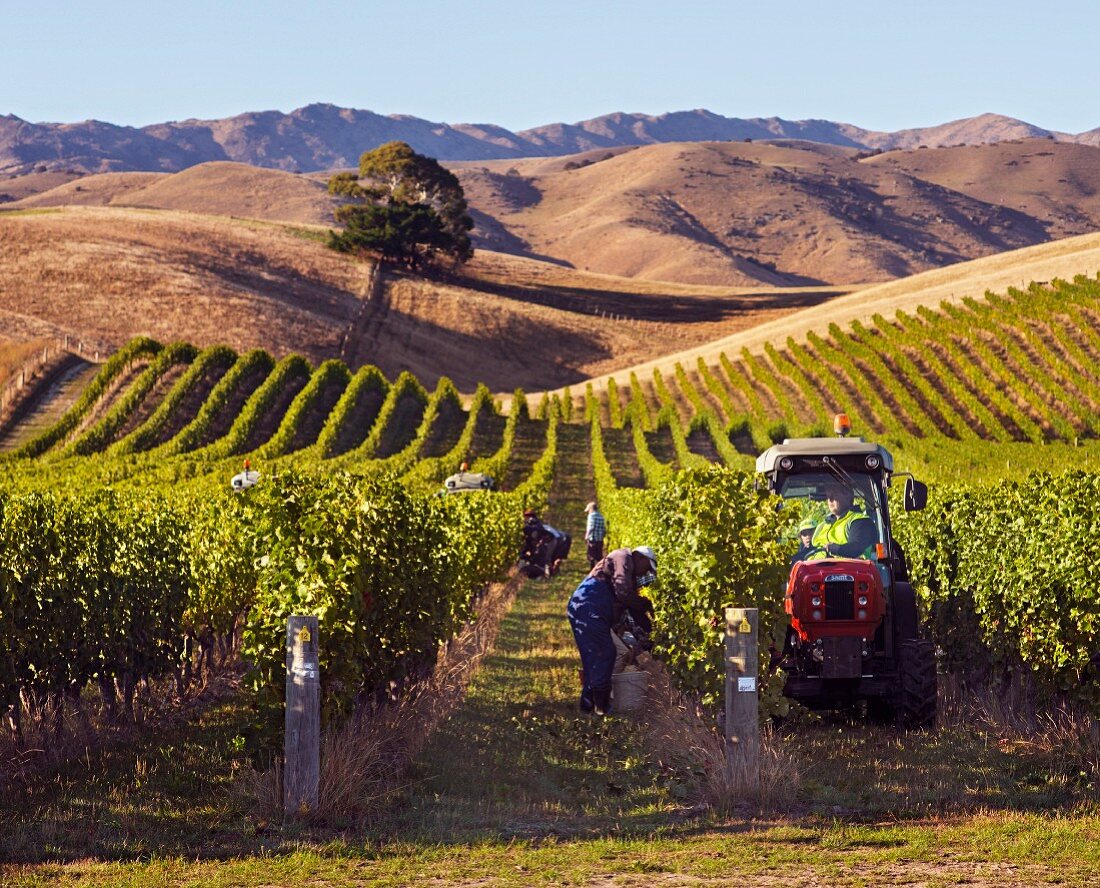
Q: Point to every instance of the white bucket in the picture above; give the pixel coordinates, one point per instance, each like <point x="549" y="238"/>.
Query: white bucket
<point x="628" y="691"/>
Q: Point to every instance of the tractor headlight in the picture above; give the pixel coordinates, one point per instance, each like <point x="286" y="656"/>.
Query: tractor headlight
<point x="816" y="601"/>
<point x="862" y="601"/>
<point x="873" y="461"/>
<point x="862" y="615"/>
<point x="786" y="463"/>
<point x="817" y="615"/>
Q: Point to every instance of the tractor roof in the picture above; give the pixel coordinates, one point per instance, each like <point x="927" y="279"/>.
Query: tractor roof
<point x="768" y="460"/>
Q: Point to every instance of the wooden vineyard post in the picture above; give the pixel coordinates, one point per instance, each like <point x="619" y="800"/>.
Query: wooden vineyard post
<point x="302" y="767"/>
<point x="742" y="698"/>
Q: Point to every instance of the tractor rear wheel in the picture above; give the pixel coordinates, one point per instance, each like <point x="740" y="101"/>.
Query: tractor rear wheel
<point x="916" y="706"/>
<point x="905" y="613"/>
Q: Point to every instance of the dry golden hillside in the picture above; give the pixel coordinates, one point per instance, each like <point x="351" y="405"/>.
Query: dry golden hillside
<point x="104" y="275"/>
<point x="221" y="189"/>
<point x="99" y="190"/>
<point x="723" y="213"/>
<point x="14" y="187"/>
<point x="1057" y="183"/>
<point x="736" y="213"/>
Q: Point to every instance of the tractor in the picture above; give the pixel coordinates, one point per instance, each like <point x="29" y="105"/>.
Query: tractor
<point x="854" y="635"/>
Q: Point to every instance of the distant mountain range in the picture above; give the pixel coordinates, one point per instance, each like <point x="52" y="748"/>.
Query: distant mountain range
<point x="323" y="137"/>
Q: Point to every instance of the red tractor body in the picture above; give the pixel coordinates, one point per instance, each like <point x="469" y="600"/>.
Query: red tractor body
<point x="835" y="597"/>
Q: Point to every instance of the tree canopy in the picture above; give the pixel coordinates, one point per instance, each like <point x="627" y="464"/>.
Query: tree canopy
<point x="407" y="208"/>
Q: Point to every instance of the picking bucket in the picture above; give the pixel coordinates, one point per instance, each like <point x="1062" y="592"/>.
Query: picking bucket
<point x="628" y="691"/>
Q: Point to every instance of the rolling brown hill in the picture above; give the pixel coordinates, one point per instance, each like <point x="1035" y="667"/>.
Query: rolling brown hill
<point x="103" y="275"/>
<point x="1056" y="183"/>
<point x="736" y="213"/>
<point x="221" y="188"/>
<point x="716" y="214"/>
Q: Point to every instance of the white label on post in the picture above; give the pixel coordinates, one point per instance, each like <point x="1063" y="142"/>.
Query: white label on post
<point x="746" y="684"/>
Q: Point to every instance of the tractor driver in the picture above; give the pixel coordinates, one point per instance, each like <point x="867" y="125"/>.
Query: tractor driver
<point x="846" y="532"/>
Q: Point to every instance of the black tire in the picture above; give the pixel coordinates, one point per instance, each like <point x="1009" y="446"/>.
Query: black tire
<point x="916" y="700"/>
<point x="905" y="614"/>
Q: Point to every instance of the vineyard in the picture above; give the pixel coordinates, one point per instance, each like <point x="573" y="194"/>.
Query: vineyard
<point x="127" y="564"/>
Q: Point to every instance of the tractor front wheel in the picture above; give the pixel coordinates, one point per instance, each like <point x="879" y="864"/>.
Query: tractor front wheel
<point x="917" y="678"/>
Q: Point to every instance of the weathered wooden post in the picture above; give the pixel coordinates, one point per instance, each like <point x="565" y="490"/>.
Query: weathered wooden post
<point x="302" y="768"/>
<point x="742" y="698"/>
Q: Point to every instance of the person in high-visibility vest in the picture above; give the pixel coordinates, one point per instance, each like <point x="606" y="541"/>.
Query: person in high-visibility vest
<point x="845" y="532"/>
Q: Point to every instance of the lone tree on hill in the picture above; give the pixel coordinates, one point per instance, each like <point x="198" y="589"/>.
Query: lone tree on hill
<point x="408" y="208"/>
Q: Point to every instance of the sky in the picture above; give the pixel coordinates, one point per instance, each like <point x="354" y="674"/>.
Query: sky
<point x="882" y="66"/>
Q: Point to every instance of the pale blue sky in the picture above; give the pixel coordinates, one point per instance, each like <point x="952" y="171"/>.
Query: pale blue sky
<point x="880" y="65"/>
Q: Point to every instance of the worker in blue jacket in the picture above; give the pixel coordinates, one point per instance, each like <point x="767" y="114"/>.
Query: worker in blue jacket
<point x="595" y="607"/>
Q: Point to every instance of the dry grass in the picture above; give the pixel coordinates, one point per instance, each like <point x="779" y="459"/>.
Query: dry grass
<point x="104" y="275"/>
<point x="741" y="213"/>
<point x="1066" y="735"/>
<point x="54" y="732"/>
<point x="217" y="188"/>
<point x="687" y="744"/>
<point x="364" y="762"/>
<point x="1037" y="177"/>
<point x="14" y="355"/>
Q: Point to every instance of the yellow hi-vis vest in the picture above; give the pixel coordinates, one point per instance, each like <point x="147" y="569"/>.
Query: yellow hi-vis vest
<point x="837" y="532"/>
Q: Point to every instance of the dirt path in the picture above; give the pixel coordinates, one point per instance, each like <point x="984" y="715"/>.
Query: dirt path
<point x="517" y="759"/>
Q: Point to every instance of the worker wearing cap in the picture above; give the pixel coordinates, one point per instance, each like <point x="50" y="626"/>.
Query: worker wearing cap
<point x="846" y="532"/>
<point x="595" y="532"/>
<point x="614" y="585"/>
<point x="805" y="540"/>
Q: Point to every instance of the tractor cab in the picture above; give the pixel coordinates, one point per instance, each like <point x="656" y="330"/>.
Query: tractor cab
<point x="854" y="634"/>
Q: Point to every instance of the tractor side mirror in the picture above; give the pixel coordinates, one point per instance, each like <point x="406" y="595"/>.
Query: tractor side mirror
<point x="916" y="495"/>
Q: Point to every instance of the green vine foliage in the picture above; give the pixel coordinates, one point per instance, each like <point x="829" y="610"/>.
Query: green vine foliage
<point x="1008" y="577"/>
<point x="135" y="350"/>
<point x="100" y="435"/>
<point x="366" y="380"/>
<point x="195" y="434"/>
<point x="331" y="373"/>
<point x="216" y="360"/>
<point x="389" y="575"/>
<point x="92" y="585"/>
<point x="718" y="542"/>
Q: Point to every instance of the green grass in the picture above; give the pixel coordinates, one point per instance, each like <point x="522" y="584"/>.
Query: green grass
<point x="992" y="850"/>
